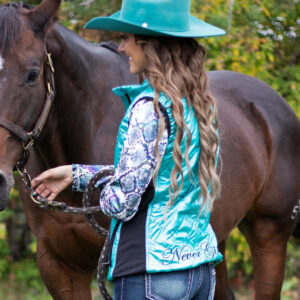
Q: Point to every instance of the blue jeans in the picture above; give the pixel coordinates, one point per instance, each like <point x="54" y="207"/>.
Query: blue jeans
<point x="196" y="284"/>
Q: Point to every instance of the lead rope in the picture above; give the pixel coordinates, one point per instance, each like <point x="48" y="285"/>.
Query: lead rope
<point x="103" y="177"/>
<point x="104" y="256"/>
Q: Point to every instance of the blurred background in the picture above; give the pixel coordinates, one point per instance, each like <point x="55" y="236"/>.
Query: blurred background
<point x="263" y="40"/>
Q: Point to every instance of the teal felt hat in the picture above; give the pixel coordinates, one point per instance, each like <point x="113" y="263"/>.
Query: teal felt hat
<point x="156" y="18"/>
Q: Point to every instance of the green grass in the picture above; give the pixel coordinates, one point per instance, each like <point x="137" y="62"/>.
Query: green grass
<point x="21" y="280"/>
<point x="13" y="289"/>
<point x="290" y="291"/>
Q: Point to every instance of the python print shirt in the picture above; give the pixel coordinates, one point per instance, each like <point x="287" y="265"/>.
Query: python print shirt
<point x="121" y="196"/>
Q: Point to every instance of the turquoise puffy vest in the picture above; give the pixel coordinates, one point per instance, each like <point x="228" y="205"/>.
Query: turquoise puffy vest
<point x="183" y="239"/>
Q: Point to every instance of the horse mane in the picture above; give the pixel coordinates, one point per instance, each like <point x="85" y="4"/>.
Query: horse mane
<point x="112" y="46"/>
<point x="10" y="24"/>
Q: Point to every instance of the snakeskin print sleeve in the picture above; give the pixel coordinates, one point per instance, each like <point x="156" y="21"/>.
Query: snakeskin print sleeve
<point x="121" y="197"/>
<point x="83" y="173"/>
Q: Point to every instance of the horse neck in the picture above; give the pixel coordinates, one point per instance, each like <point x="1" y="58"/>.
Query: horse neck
<point x="72" y="56"/>
<point x="78" y="112"/>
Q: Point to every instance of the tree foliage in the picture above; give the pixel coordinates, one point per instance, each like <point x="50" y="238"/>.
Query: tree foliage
<point x="263" y="40"/>
<point x="263" y="36"/>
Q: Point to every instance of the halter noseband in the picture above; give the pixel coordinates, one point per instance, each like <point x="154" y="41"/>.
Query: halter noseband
<point x="28" y="138"/>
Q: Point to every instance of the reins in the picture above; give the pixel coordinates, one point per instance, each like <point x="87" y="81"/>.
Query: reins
<point x="28" y="139"/>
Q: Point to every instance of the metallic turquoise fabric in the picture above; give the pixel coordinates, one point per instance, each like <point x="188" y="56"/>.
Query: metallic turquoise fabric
<point x="135" y="92"/>
<point x="182" y="238"/>
<point x="156" y="17"/>
<point x="114" y="247"/>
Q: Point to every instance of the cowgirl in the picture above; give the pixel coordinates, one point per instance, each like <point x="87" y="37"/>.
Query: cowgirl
<point x="165" y="179"/>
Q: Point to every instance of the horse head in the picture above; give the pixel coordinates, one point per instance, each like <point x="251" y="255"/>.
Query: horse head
<point x="22" y="79"/>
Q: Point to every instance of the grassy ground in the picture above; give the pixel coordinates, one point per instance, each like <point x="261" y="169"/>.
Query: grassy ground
<point x="290" y="290"/>
<point x="22" y="281"/>
<point x="12" y="289"/>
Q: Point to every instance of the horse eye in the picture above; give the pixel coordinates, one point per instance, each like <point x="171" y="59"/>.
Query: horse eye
<point x="32" y="76"/>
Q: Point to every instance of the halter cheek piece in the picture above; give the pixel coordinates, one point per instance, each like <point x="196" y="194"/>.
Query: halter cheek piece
<point x="28" y="139"/>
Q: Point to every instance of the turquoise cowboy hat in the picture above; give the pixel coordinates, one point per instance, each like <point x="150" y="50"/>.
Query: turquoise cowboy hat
<point x="156" y="18"/>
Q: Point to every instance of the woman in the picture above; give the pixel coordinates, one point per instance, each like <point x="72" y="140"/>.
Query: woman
<point x="165" y="179"/>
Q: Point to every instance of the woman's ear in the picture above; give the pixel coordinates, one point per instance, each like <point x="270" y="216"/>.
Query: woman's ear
<point x="140" y="40"/>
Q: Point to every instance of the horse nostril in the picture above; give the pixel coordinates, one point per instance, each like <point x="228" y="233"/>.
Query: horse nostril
<point x="3" y="192"/>
<point x="2" y="179"/>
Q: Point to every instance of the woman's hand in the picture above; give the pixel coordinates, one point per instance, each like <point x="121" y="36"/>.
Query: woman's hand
<point x="51" y="182"/>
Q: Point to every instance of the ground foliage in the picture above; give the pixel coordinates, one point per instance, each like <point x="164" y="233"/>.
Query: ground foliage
<point x="263" y="40"/>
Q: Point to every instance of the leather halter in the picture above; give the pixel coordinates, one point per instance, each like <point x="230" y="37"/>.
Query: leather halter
<point x="28" y="138"/>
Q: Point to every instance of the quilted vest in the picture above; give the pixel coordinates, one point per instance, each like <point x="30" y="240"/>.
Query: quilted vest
<point x="182" y="238"/>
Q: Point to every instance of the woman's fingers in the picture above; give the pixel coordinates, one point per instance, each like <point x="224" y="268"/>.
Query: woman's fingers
<point x="35" y="182"/>
<point x="55" y="174"/>
<point x="43" y="176"/>
<point x="51" y="182"/>
<point x="38" y="180"/>
<point x="45" y="193"/>
<point x="40" y="188"/>
<point x="52" y="196"/>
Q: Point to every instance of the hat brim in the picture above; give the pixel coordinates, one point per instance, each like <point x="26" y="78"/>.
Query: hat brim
<point x="198" y="27"/>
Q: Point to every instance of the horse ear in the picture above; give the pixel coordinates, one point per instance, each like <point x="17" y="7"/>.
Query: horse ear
<point x="45" y="15"/>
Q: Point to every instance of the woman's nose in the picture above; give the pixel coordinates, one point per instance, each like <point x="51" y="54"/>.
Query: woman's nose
<point x="121" y="47"/>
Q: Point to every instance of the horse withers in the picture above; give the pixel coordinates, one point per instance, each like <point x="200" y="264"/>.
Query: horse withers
<point x="259" y="136"/>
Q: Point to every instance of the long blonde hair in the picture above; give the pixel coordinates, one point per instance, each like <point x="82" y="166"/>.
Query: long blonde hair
<point x="175" y="66"/>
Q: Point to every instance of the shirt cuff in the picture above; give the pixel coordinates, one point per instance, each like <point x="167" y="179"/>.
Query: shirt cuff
<point x="82" y="174"/>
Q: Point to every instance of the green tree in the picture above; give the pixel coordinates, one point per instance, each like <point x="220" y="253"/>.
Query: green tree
<point x="263" y="40"/>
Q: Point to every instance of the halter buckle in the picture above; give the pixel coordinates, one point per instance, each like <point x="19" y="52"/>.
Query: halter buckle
<point x="27" y="145"/>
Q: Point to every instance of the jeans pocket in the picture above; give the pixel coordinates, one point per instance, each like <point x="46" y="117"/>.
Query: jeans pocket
<point x="212" y="281"/>
<point x="174" y="285"/>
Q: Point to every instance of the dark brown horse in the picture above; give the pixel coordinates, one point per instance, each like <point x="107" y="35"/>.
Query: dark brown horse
<point x="260" y="142"/>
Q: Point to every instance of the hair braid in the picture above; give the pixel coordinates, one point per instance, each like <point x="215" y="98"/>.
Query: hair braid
<point x="175" y="67"/>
